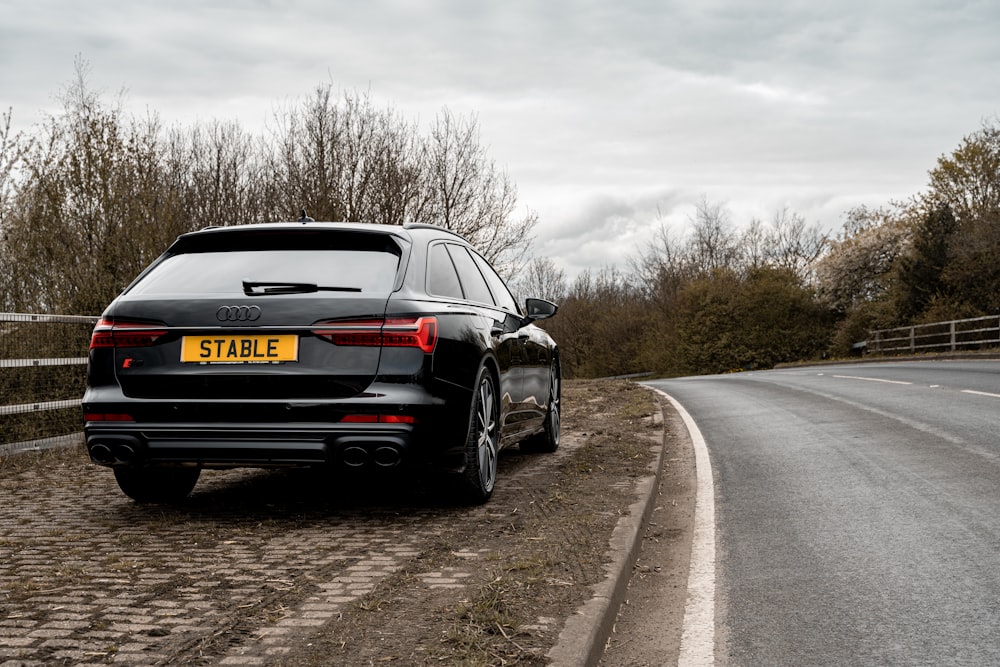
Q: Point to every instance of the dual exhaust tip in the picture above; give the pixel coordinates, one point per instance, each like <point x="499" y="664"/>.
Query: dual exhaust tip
<point x="113" y="453"/>
<point x="384" y="456"/>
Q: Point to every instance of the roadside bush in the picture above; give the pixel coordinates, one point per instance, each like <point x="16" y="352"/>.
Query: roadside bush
<point x="729" y="322"/>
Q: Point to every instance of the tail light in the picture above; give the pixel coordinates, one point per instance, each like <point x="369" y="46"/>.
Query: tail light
<point x="107" y="417"/>
<point x="418" y="332"/>
<point x="111" y="333"/>
<point x="379" y="419"/>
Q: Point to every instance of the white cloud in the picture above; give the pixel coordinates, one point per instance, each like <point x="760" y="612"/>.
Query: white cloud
<point x="600" y="109"/>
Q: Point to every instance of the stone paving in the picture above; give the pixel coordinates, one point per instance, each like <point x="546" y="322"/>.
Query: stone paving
<point x="252" y="565"/>
<point x="88" y="577"/>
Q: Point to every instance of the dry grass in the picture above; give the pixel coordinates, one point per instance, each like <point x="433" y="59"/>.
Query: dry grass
<point x="57" y="457"/>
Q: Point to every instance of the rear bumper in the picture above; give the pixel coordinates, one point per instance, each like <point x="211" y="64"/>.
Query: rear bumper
<point x="226" y="434"/>
<point x="231" y="445"/>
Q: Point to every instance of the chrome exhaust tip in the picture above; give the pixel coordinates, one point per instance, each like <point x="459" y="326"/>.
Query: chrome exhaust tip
<point x="101" y="454"/>
<point x="124" y="454"/>
<point x="354" y="457"/>
<point x="387" y="457"/>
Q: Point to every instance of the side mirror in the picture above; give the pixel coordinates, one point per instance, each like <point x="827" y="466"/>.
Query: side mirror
<point x="539" y="309"/>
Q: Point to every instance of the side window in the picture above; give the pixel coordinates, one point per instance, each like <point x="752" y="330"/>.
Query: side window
<point x="501" y="294"/>
<point x="473" y="282"/>
<point x="441" y="277"/>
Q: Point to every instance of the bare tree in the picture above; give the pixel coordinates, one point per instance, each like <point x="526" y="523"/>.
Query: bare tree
<point x="713" y="244"/>
<point x="379" y="156"/>
<point x="9" y="149"/>
<point x="343" y="159"/>
<point x="756" y="243"/>
<point x="792" y="244"/>
<point x="305" y="157"/>
<point x="394" y="162"/>
<point x="89" y="208"/>
<point x="219" y="171"/>
<point x="541" y="278"/>
<point x="466" y="192"/>
<point x="662" y="268"/>
<point x="668" y="262"/>
<point x="9" y="158"/>
<point x="98" y="194"/>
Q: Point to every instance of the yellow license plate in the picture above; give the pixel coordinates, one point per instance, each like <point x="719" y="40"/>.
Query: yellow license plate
<point x="239" y="349"/>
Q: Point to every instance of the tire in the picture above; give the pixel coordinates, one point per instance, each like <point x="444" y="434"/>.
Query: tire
<point x="548" y="440"/>
<point x="156" y="485"/>
<point x="482" y="443"/>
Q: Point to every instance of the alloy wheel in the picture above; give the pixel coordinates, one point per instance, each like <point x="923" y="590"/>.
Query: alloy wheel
<point x="486" y="435"/>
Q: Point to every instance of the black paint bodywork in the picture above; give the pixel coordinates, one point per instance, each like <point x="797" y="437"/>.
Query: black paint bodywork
<point x="263" y="415"/>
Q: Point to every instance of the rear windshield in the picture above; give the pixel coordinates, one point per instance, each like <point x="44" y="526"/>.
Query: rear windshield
<point x="207" y="268"/>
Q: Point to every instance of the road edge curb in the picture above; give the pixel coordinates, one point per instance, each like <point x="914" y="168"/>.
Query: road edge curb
<point x="583" y="637"/>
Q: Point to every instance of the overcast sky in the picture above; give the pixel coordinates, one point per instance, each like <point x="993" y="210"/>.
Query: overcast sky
<point x="609" y="116"/>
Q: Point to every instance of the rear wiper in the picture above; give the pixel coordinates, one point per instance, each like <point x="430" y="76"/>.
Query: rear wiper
<point x="261" y="288"/>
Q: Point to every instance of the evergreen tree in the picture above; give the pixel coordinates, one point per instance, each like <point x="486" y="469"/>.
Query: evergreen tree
<point x="920" y="270"/>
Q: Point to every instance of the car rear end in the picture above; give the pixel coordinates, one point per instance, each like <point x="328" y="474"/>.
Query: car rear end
<point x="262" y="345"/>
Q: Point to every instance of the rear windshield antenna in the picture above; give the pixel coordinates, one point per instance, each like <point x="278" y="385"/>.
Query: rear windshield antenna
<point x="303" y="217"/>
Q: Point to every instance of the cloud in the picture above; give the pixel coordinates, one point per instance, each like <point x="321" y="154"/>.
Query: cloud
<point x="608" y="230"/>
<point x="601" y="111"/>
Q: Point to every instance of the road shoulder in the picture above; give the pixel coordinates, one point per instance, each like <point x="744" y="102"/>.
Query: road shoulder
<point x="649" y="623"/>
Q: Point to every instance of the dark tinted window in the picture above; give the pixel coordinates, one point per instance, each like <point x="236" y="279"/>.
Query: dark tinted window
<point x="197" y="273"/>
<point x="473" y="282"/>
<point x="501" y="294"/>
<point x="441" y="277"/>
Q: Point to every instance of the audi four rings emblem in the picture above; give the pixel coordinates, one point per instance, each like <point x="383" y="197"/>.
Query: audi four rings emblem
<point x="238" y="313"/>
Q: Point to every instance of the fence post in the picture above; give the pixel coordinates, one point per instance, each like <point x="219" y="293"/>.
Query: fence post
<point x="951" y="330"/>
<point x="913" y="340"/>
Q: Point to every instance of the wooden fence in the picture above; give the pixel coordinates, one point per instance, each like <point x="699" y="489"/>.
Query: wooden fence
<point x="951" y="336"/>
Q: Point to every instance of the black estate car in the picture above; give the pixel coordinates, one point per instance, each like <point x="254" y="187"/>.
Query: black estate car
<point x="312" y="344"/>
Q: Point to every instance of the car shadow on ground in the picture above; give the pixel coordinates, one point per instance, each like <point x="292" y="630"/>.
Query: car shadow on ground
<point x="319" y="493"/>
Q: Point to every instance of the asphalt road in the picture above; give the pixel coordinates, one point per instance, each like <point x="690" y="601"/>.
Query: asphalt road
<point x="857" y="512"/>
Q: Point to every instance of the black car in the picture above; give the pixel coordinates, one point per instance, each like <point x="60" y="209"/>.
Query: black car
<point x="318" y="344"/>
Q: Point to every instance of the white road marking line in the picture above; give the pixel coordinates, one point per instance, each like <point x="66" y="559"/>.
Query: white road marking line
<point x="698" y="630"/>
<point x="980" y="393"/>
<point x="858" y="377"/>
<point x="933" y="386"/>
